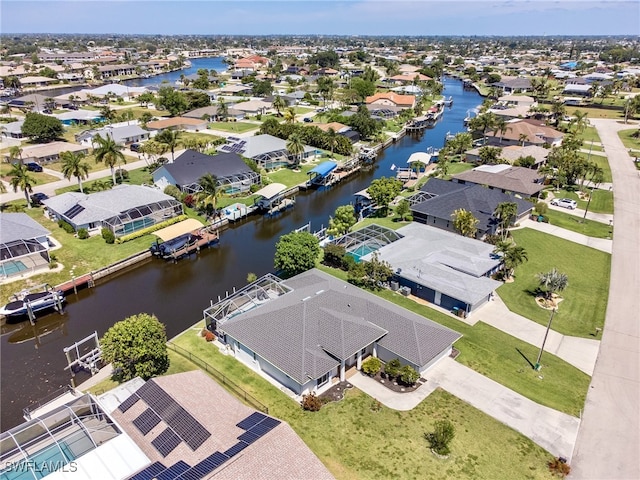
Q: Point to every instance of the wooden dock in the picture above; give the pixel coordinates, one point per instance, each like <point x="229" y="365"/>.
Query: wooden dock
<point x="283" y="205"/>
<point x="206" y="236"/>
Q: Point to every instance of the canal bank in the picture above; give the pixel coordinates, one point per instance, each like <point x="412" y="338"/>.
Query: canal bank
<point x="32" y="358"/>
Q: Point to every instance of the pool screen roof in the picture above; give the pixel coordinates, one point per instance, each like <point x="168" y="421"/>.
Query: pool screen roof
<point x="374" y="236"/>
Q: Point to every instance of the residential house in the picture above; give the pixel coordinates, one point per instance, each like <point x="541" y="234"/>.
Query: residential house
<point x="408" y="77"/>
<point x="110" y="71"/>
<point x="13" y="129"/>
<point x="585" y="90"/>
<point x="211" y="113"/>
<point x="306" y="331"/>
<point x="177" y="123"/>
<point x="443" y="268"/>
<point x="515" y="152"/>
<point x="513" y="85"/>
<point x="392" y="100"/>
<point x="36" y="81"/>
<point x="122" y="135"/>
<point x="123" y="209"/>
<point x="437" y="199"/>
<point x="268" y="152"/>
<point x="253" y="107"/>
<point x="519" y="180"/>
<point x="24" y="245"/>
<point x="526" y="132"/>
<point x="232" y="173"/>
<point x="48" y="152"/>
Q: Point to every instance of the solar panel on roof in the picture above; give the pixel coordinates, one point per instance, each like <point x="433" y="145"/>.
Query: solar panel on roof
<point x="249" y="437"/>
<point x="260" y="429"/>
<point x="128" y="403"/>
<point x="146" y="421"/>
<point x="181" y="421"/>
<point x="272" y="422"/>
<point x="174" y="471"/>
<point x="235" y="449"/>
<point x="150" y="472"/>
<point x="251" y="420"/>
<point x="166" y="442"/>
<point x="73" y="211"/>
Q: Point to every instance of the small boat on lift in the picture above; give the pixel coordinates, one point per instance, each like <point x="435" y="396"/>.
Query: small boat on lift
<point x="448" y="102"/>
<point x="168" y="248"/>
<point x="27" y="301"/>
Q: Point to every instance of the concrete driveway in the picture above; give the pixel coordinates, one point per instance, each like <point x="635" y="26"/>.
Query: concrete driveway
<point x="609" y="437"/>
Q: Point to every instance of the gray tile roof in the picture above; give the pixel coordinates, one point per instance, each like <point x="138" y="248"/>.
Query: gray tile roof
<point x="305" y="332"/>
<point x="513" y="179"/>
<point x="19" y="226"/>
<point x="479" y="200"/>
<point x="261" y="144"/>
<point x="443" y="261"/>
<point x="191" y="165"/>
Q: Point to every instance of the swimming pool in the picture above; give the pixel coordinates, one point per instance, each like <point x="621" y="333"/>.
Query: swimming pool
<point x="11" y="268"/>
<point x="40" y="464"/>
<point x="361" y="251"/>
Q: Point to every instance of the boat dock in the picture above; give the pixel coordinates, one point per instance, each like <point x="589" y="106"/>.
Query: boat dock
<point x="283" y="205"/>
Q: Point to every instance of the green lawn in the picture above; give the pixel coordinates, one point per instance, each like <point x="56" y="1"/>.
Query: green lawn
<point x="574" y="223"/>
<point x="501" y="357"/>
<point x="590" y="134"/>
<point x="199" y="136"/>
<point x="629" y="141"/>
<point x="585" y="299"/>
<point x="602" y="162"/>
<point x="290" y="178"/>
<point x="233" y="127"/>
<point x="602" y="201"/>
<point x="366" y="442"/>
<point x="137" y="176"/>
<point x="392" y="222"/>
<point x="39" y="178"/>
<point x="598" y="112"/>
<point x="458" y="167"/>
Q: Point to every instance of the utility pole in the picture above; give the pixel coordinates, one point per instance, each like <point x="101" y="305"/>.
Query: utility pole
<point x="537" y="365"/>
<point x="593" y="186"/>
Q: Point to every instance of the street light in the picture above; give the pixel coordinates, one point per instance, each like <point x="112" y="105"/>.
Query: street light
<point x="544" y="340"/>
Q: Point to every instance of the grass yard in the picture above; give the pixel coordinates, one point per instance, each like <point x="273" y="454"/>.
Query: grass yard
<point x="504" y="358"/>
<point x="602" y="162"/>
<point x="39" y="178"/>
<point x="356" y="449"/>
<point x="602" y="201"/>
<point x="200" y="136"/>
<point x="81" y="255"/>
<point x="233" y="127"/>
<point x="137" y="176"/>
<point x="585" y="299"/>
<point x="392" y="222"/>
<point x="574" y="223"/>
<point x="599" y="112"/>
<point x="629" y="141"/>
<point x="458" y="167"/>
<point x="288" y="177"/>
<point x="590" y="134"/>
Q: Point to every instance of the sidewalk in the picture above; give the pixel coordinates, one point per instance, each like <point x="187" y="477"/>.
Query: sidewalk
<point x="601" y="244"/>
<point x="554" y="431"/>
<point x="579" y="352"/>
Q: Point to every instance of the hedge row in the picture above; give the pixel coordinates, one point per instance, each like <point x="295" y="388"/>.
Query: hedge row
<point x="152" y="228"/>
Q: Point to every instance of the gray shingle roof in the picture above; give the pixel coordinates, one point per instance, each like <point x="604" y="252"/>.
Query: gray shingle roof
<point x="19" y="226"/>
<point x="514" y="179"/>
<point x="191" y="165"/>
<point x="305" y="332"/>
<point x="261" y="144"/>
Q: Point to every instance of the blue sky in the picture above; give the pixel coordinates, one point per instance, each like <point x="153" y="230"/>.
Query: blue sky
<point x="330" y="17"/>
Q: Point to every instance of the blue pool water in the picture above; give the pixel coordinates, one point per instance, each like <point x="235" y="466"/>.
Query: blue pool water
<point x="40" y="464"/>
<point x="361" y="251"/>
<point x="11" y="268"/>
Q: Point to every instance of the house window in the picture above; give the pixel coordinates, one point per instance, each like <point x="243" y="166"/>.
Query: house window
<point x="323" y="379"/>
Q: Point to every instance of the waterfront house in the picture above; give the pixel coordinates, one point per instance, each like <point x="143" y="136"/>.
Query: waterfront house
<point x="513" y="85"/>
<point x="391" y="99"/>
<point x="437" y="199"/>
<point x="211" y="113"/>
<point x="441" y="267"/>
<point x="122" y="135"/>
<point x="518" y="180"/>
<point x="48" y="152"/>
<point x="268" y="152"/>
<point x="307" y="331"/>
<point x="232" y="173"/>
<point x="177" y="123"/>
<point x="24" y="245"/>
<point x="36" y="81"/>
<point x="123" y="209"/>
<point x="526" y="132"/>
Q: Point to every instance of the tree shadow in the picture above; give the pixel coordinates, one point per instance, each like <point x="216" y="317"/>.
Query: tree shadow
<point x="525" y="357"/>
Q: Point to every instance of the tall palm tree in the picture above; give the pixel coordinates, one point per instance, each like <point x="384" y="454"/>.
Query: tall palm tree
<point x="505" y="213"/>
<point x="73" y="165"/>
<point x="170" y="138"/>
<point x="21" y="179"/>
<point x="295" y="147"/>
<point x="15" y="152"/>
<point x="465" y="222"/>
<point x="210" y="191"/>
<point x="331" y="137"/>
<point x="500" y="126"/>
<point x="109" y="152"/>
<point x="279" y="104"/>
<point x="522" y="138"/>
<point x="514" y="257"/>
<point x="290" y="115"/>
<point x="553" y="281"/>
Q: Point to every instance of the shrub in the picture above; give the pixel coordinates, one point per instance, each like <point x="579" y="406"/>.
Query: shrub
<point x="311" y="402"/>
<point x="108" y="235"/>
<point x="559" y="467"/>
<point x="371" y="366"/>
<point x="492" y="239"/>
<point x="541" y="208"/>
<point x="189" y="200"/>
<point x="152" y="228"/>
<point x="440" y="438"/>
<point x="543" y="195"/>
<point x="409" y="375"/>
<point x="209" y="336"/>
<point x="334" y="255"/>
<point x="173" y="191"/>
<point x="83" y="233"/>
<point x="53" y="264"/>
<point x="66" y="226"/>
<point x="392" y="368"/>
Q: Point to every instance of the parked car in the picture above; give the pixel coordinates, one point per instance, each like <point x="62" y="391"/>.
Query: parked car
<point x="37" y="198"/>
<point x="565" y="203"/>
<point x="307" y="119"/>
<point x="33" y="167"/>
<point x="135" y="147"/>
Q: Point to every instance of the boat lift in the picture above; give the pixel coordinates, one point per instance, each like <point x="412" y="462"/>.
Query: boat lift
<point x="88" y="361"/>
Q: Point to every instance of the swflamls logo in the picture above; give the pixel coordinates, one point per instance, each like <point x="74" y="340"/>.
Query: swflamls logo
<point x="43" y="468"/>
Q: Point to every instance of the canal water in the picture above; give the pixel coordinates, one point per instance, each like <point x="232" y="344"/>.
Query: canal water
<point x="32" y="358"/>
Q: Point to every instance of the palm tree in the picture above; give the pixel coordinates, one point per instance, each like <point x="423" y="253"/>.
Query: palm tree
<point x="74" y="166"/>
<point x="109" y="152"/>
<point x="553" y="281"/>
<point x="465" y="223"/>
<point x="331" y="138"/>
<point x="295" y="147"/>
<point x="558" y="109"/>
<point x="500" y="126"/>
<point x="223" y="109"/>
<point x="522" y="138"/>
<point x="170" y="138"/>
<point x="505" y="212"/>
<point x="511" y="257"/>
<point x="279" y="104"/>
<point x="290" y="115"/>
<point x="209" y="193"/>
<point x="20" y="179"/>
<point x="3" y="187"/>
<point x="15" y="152"/>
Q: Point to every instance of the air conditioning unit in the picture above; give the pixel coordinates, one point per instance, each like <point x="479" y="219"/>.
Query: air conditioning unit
<point x="406" y="291"/>
<point x="394" y="286"/>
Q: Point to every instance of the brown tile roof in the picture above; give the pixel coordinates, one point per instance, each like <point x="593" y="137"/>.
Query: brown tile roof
<point x="512" y="179"/>
<point x="397" y="99"/>
<point x="326" y="126"/>
<point x="278" y="454"/>
<point x="410" y="77"/>
<point x="535" y="131"/>
<point x="175" y="122"/>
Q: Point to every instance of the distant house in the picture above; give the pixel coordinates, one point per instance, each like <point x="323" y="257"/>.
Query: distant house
<point x="441" y="267"/>
<point x="514" y="152"/>
<point x="232" y="173"/>
<point x="585" y="90"/>
<point x="409" y="77"/>
<point x="306" y="331"/>
<point x="519" y="180"/>
<point x="211" y="112"/>
<point x="36" y="81"/>
<point x="122" y="135"/>
<point x="123" y="209"/>
<point x="267" y="151"/>
<point x="124" y="91"/>
<point x="253" y="107"/>
<point x="177" y="123"/>
<point x="13" y="129"/>
<point x="513" y="85"/>
<point x="24" y="245"/>
<point x="391" y="99"/>
<point x="526" y="132"/>
<point x="48" y="152"/>
<point x="437" y="199"/>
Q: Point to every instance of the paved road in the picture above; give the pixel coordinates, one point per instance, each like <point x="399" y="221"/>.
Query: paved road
<point x="608" y="443"/>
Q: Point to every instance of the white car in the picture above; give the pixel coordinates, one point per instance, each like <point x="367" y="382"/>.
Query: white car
<point x="565" y="203"/>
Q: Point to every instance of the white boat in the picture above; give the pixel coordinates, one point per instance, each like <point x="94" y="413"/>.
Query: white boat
<point x="448" y="102"/>
<point x="36" y="302"/>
